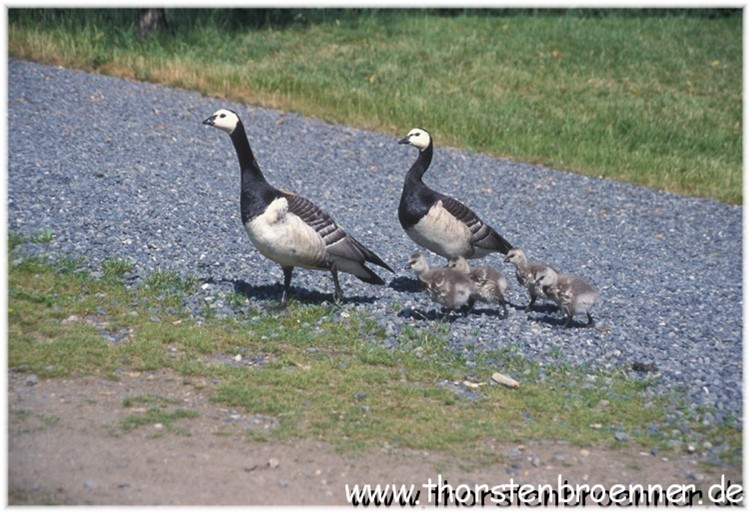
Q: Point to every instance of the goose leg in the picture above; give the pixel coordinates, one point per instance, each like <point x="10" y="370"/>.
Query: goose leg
<point x="505" y="309"/>
<point x="591" y="320"/>
<point x="287" y="282"/>
<point x="467" y="307"/>
<point x="567" y="321"/>
<point x="528" y="308"/>
<point x="337" y="294"/>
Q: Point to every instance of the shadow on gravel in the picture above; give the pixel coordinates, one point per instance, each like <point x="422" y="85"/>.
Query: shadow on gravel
<point x="560" y="321"/>
<point x="405" y="284"/>
<point x="438" y="315"/>
<point x="272" y="293"/>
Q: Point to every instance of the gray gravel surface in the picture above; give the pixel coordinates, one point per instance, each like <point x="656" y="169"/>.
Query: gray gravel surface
<point x="121" y="169"/>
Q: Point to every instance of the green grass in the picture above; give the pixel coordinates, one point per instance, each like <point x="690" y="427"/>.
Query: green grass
<point x="321" y="376"/>
<point x="654" y="100"/>
<point x="154" y="416"/>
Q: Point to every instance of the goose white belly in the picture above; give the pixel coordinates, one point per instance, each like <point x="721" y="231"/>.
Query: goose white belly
<point x="442" y="233"/>
<point x="285" y="238"/>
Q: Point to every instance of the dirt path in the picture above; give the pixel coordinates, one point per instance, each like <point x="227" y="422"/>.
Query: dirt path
<point x="67" y="446"/>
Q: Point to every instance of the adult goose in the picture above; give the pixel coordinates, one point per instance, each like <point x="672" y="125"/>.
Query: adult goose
<point x="289" y="229"/>
<point x="438" y="222"/>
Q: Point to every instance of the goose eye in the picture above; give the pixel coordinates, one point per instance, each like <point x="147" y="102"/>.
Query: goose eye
<point x="223" y="116"/>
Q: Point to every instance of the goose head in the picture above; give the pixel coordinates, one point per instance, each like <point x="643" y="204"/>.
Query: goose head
<point x="418" y="138"/>
<point x="224" y="119"/>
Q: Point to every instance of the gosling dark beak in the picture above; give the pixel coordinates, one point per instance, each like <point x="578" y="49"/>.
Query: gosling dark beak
<point x="210" y="120"/>
<point x="506" y="260"/>
<point x="405" y="140"/>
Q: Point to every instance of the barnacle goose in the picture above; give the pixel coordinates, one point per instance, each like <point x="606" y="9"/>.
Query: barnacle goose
<point x="572" y="294"/>
<point x="287" y="228"/>
<point x="438" y="222"/>
<point x="489" y="284"/>
<point x="446" y="286"/>
<point x="526" y="274"/>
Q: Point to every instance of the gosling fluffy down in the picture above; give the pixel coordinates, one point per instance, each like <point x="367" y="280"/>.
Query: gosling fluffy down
<point x="489" y="284"/>
<point x="572" y="294"/>
<point x="446" y="286"/>
<point x="525" y="274"/>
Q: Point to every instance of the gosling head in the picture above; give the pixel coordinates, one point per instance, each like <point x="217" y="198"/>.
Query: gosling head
<point x="418" y="138"/>
<point x="516" y="256"/>
<point x="460" y="264"/>
<point x="417" y="262"/>
<point x="545" y="277"/>
<point x="224" y="119"/>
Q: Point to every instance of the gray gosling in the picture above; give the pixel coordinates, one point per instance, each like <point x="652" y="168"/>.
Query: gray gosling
<point x="572" y="294"/>
<point x="446" y="286"/>
<point x="525" y="274"/>
<point x="489" y="284"/>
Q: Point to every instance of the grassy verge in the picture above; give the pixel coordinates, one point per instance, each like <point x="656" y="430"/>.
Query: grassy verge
<point x="319" y="373"/>
<point x="652" y="100"/>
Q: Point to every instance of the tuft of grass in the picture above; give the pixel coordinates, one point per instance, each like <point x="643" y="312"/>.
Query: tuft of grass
<point x="44" y="237"/>
<point x="116" y="268"/>
<point x="132" y="401"/>
<point x="650" y="97"/>
<point x="168" y="282"/>
<point x="16" y="239"/>
<point x="327" y="376"/>
<point x="158" y="416"/>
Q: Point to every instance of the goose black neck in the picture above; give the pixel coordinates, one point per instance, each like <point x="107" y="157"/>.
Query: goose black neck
<point x="419" y="167"/>
<point x="248" y="164"/>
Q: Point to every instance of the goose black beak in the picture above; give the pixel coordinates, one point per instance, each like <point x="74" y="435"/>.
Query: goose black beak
<point x="405" y="140"/>
<point x="210" y="120"/>
<point x="506" y="260"/>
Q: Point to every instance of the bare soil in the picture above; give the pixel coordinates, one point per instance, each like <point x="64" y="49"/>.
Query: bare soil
<point x="67" y="446"/>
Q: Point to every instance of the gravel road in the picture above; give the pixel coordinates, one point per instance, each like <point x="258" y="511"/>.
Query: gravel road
<point x="121" y="169"/>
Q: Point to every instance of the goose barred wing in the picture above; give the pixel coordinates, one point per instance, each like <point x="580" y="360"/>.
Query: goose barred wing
<point x="316" y="218"/>
<point x="338" y="242"/>
<point x="482" y="235"/>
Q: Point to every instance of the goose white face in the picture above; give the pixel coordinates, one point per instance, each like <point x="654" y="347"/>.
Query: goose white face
<point x="418" y="138"/>
<point x="223" y="119"/>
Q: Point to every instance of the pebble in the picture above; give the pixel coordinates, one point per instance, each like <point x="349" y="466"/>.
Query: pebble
<point x="621" y="436"/>
<point x="31" y="380"/>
